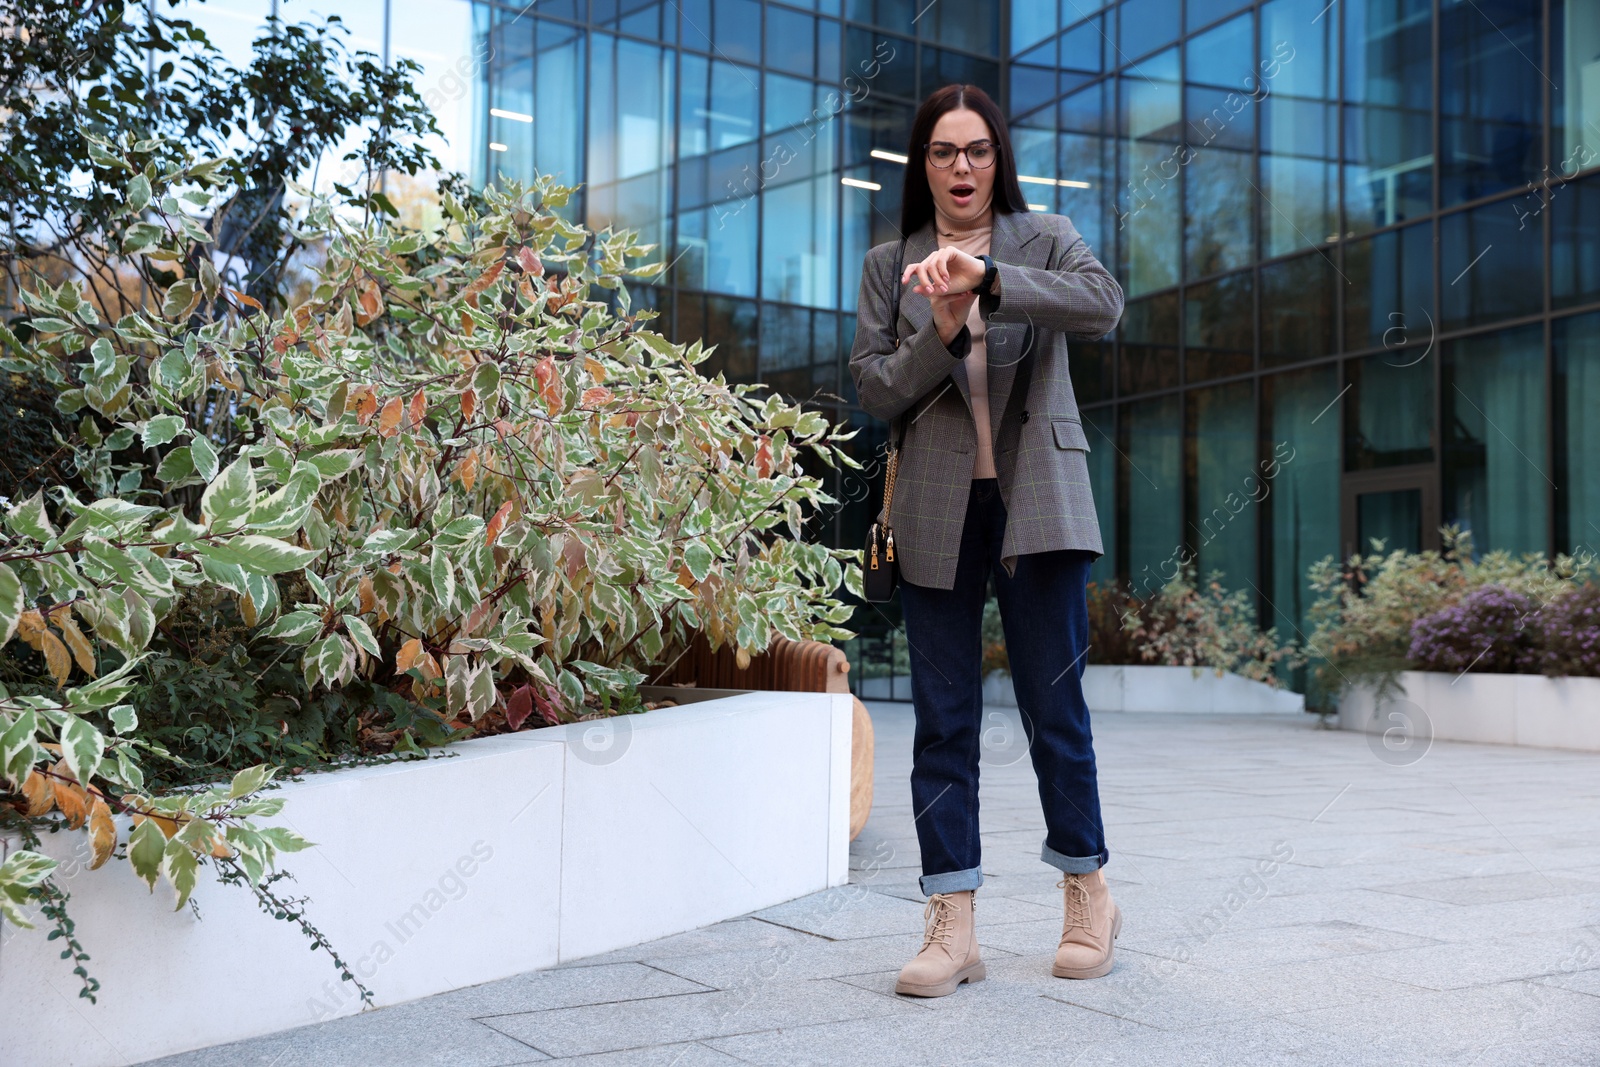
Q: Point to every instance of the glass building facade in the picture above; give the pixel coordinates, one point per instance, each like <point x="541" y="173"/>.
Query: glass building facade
<point x="1360" y="241"/>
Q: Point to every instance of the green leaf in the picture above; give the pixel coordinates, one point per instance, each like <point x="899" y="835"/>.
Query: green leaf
<point x="139" y="193"/>
<point x="12" y="603"/>
<point x="286" y="510"/>
<point x="697" y="557"/>
<point x="480" y="691"/>
<point x="180" y="298"/>
<point x="204" y="455"/>
<point x="177" y="465"/>
<point x="297" y="627"/>
<point x="146" y="845"/>
<point x="18" y="750"/>
<point x="248" y="781"/>
<point x="263" y="555"/>
<point x="362" y="635"/>
<point x="81" y="747"/>
<point x="336" y="463"/>
<point x="162" y="429"/>
<point x="284" y="840"/>
<point x="442" y="576"/>
<point x="229" y="497"/>
<point x="181" y="868"/>
<point x="123" y="718"/>
<point x="29" y="519"/>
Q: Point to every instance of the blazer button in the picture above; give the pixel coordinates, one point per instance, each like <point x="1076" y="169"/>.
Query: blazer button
<point x="1024" y="415"/>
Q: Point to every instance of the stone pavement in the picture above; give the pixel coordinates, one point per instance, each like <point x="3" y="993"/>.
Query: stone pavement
<point x="1290" y="895"/>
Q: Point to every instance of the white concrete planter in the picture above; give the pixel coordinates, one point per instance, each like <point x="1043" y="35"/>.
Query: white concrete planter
<point x="1157" y="688"/>
<point x="516" y="852"/>
<point x="1498" y="709"/>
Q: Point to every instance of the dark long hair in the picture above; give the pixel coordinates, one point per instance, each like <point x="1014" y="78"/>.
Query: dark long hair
<point x="916" y="199"/>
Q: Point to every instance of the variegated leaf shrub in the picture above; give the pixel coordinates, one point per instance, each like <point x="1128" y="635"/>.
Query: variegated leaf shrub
<point x="450" y="470"/>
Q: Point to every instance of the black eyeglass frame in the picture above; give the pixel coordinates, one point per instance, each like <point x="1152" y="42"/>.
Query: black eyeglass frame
<point x="927" y="153"/>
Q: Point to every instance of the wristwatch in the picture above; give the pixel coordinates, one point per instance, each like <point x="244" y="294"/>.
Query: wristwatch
<point x="983" y="287"/>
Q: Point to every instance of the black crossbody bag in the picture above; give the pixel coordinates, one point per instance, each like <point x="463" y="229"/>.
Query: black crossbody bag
<point x="880" y="574"/>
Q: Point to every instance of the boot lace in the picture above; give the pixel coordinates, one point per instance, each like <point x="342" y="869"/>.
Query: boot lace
<point x="940" y="917"/>
<point x="1078" y="913"/>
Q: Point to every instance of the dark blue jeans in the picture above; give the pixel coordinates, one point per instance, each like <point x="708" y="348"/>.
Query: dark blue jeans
<point x="1046" y="619"/>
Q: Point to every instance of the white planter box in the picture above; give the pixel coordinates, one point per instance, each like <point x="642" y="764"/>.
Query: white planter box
<point x="1157" y="688"/>
<point x="513" y="853"/>
<point x="1498" y="709"/>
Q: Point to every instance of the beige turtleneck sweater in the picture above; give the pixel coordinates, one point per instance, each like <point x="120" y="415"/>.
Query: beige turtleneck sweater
<point x="973" y="239"/>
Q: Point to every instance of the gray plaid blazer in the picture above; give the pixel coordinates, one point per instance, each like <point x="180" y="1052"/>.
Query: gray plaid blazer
<point x="1052" y="289"/>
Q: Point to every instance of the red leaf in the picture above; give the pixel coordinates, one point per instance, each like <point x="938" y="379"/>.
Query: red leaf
<point x="529" y="260"/>
<point x="764" y="457"/>
<point x="549" y="704"/>
<point x="497" y="524"/>
<point x="519" y="706"/>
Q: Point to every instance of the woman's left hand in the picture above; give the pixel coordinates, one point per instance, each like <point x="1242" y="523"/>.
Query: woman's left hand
<point x="947" y="271"/>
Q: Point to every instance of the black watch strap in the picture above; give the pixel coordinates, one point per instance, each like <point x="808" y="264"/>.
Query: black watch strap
<point x="985" y="286"/>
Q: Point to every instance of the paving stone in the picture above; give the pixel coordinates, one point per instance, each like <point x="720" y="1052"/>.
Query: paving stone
<point x="1476" y="963"/>
<point x="666" y="1020"/>
<point x="566" y="987"/>
<point x="1494" y="889"/>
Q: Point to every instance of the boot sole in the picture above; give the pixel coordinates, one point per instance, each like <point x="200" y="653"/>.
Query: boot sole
<point x="1101" y="969"/>
<point x="972" y="972"/>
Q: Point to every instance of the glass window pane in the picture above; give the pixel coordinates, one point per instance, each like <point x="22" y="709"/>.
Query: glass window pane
<point x="1217" y="226"/>
<point x="441" y="40"/>
<point x="717" y="106"/>
<point x="1090" y="367"/>
<point x="730" y="325"/>
<point x="1219" y="337"/>
<point x="1389" y="289"/>
<point x="1575" y="85"/>
<point x="974" y="27"/>
<point x="1575" y="243"/>
<point x="1301" y="483"/>
<point x="716" y="249"/>
<point x="892" y="58"/>
<point x="1200" y="12"/>
<point x="1388" y="411"/>
<point x="1577" y="436"/>
<point x="1088" y="162"/>
<point x="1083" y="46"/>
<point x="1100" y="429"/>
<point x="791" y="43"/>
<point x="1491" y="265"/>
<point x="1148" y="193"/>
<point x="897" y="15"/>
<point x="1388" y="59"/>
<point x="1150" y="344"/>
<point x="630" y="136"/>
<point x="1145" y="25"/>
<point x="1152" y="476"/>
<point x="1030" y="24"/>
<point x="1224" y="56"/>
<point x="1496" y="481"/>
<point x="1297" y="309"/>
<point x="1031" y="86"/>
<point x="786" y="350"/>
<point x="1224" y="117"/>
<point x="941" y="67"/>
<point x="792" y="101"/>
<point x="1299" y="179"/>
<point x="1222" y="451"/>
<point x="1490" y="90"/>
<point x="799" y="254"/>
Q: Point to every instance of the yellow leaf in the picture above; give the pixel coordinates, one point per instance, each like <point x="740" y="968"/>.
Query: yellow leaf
<point x="29" y="627"/>
<point x="408" y="655"/>
<point x="69" y="796"/>
<point x="469" y="403"/>
<point x="483" y="281"/>
<point x="389" y="421"/>
<point x="497" y="524"/>
<point x="247" y="609"/>
<point x="369" y="600"/>
<point x="595" y="368"/>
<point x="102" y="832"/>
<point x="469" y="471"/>
<point x="82" y="652"/>
<point x="219" y="848"/>
<point x="56" y="657"/>
<point x="419" y="408"/>
<point x="38" y="793"/>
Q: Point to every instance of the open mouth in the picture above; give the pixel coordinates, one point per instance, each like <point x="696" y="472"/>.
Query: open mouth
<point x="962" y="192"/>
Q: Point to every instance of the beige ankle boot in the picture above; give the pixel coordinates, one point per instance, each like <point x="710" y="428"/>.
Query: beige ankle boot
<point x="949" y="953"/>
<point x="1091" y="924"/>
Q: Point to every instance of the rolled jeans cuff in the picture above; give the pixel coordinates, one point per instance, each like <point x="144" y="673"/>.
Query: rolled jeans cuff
<point x="1074" y="864"/>
<point x="951" y="881"/>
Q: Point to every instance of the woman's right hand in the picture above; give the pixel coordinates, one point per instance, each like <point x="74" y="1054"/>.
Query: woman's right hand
<point x="950" y="313"/>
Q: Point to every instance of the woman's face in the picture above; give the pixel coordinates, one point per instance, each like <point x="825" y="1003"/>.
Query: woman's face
<point x="961" y="191"/>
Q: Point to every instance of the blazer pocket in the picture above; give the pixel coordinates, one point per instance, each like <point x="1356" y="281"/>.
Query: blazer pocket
<point x="1069" y="434"/>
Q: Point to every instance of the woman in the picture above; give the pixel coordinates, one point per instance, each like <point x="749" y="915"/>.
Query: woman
<point x="993" y="481"/>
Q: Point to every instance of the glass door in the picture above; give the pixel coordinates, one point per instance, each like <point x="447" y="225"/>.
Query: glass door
<point x="1398" y="506"/>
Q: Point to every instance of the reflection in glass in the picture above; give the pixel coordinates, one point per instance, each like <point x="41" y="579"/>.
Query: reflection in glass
<point x="1301" y="483"/>
<point x="1225" y="482"/>
<point x="1490" y="89"/>
<point x="1575" y="243"/>
<point x="1389" y="289"/>
<point x="1083" y="46"/>
<point x="1496" y="480"/>
<point x="793" y="101"/>
<point x="1148" y="200"/>
<point x="1388" y="412"/>
<point x="799" y="253"/>
<point x="1146" y="24"/>
<point x="1217" y="222"/>
<point x="1297" y="309"/>
<point x="1151" y="481"/>
<point x="630" y="136"/>
<point x="1299" y="127"/>
<point x="786" y="349"/>
<point x="791" y="44"/>
<point x="1577" y="433"/>
<point x="1388" y="71"/>
<point x="1219" y="335"/>
<point x="1391" y="519"/>
<point x="974" y="27"/>
<point x="1491" y="262"/>
<point x="940" y="67"/>
<point x="717" y="249"/>
<point x="1223" y="56"/>
<point x="1099" y="427"/>
<point x="1575" y="86"/>
<point x="1150" y="344"/>
<point x="717" y="106"/>
<point x="1089" y="364"/>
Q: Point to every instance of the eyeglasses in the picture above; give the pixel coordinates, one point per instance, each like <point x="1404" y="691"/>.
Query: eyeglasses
<point x="942" y="154"/>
